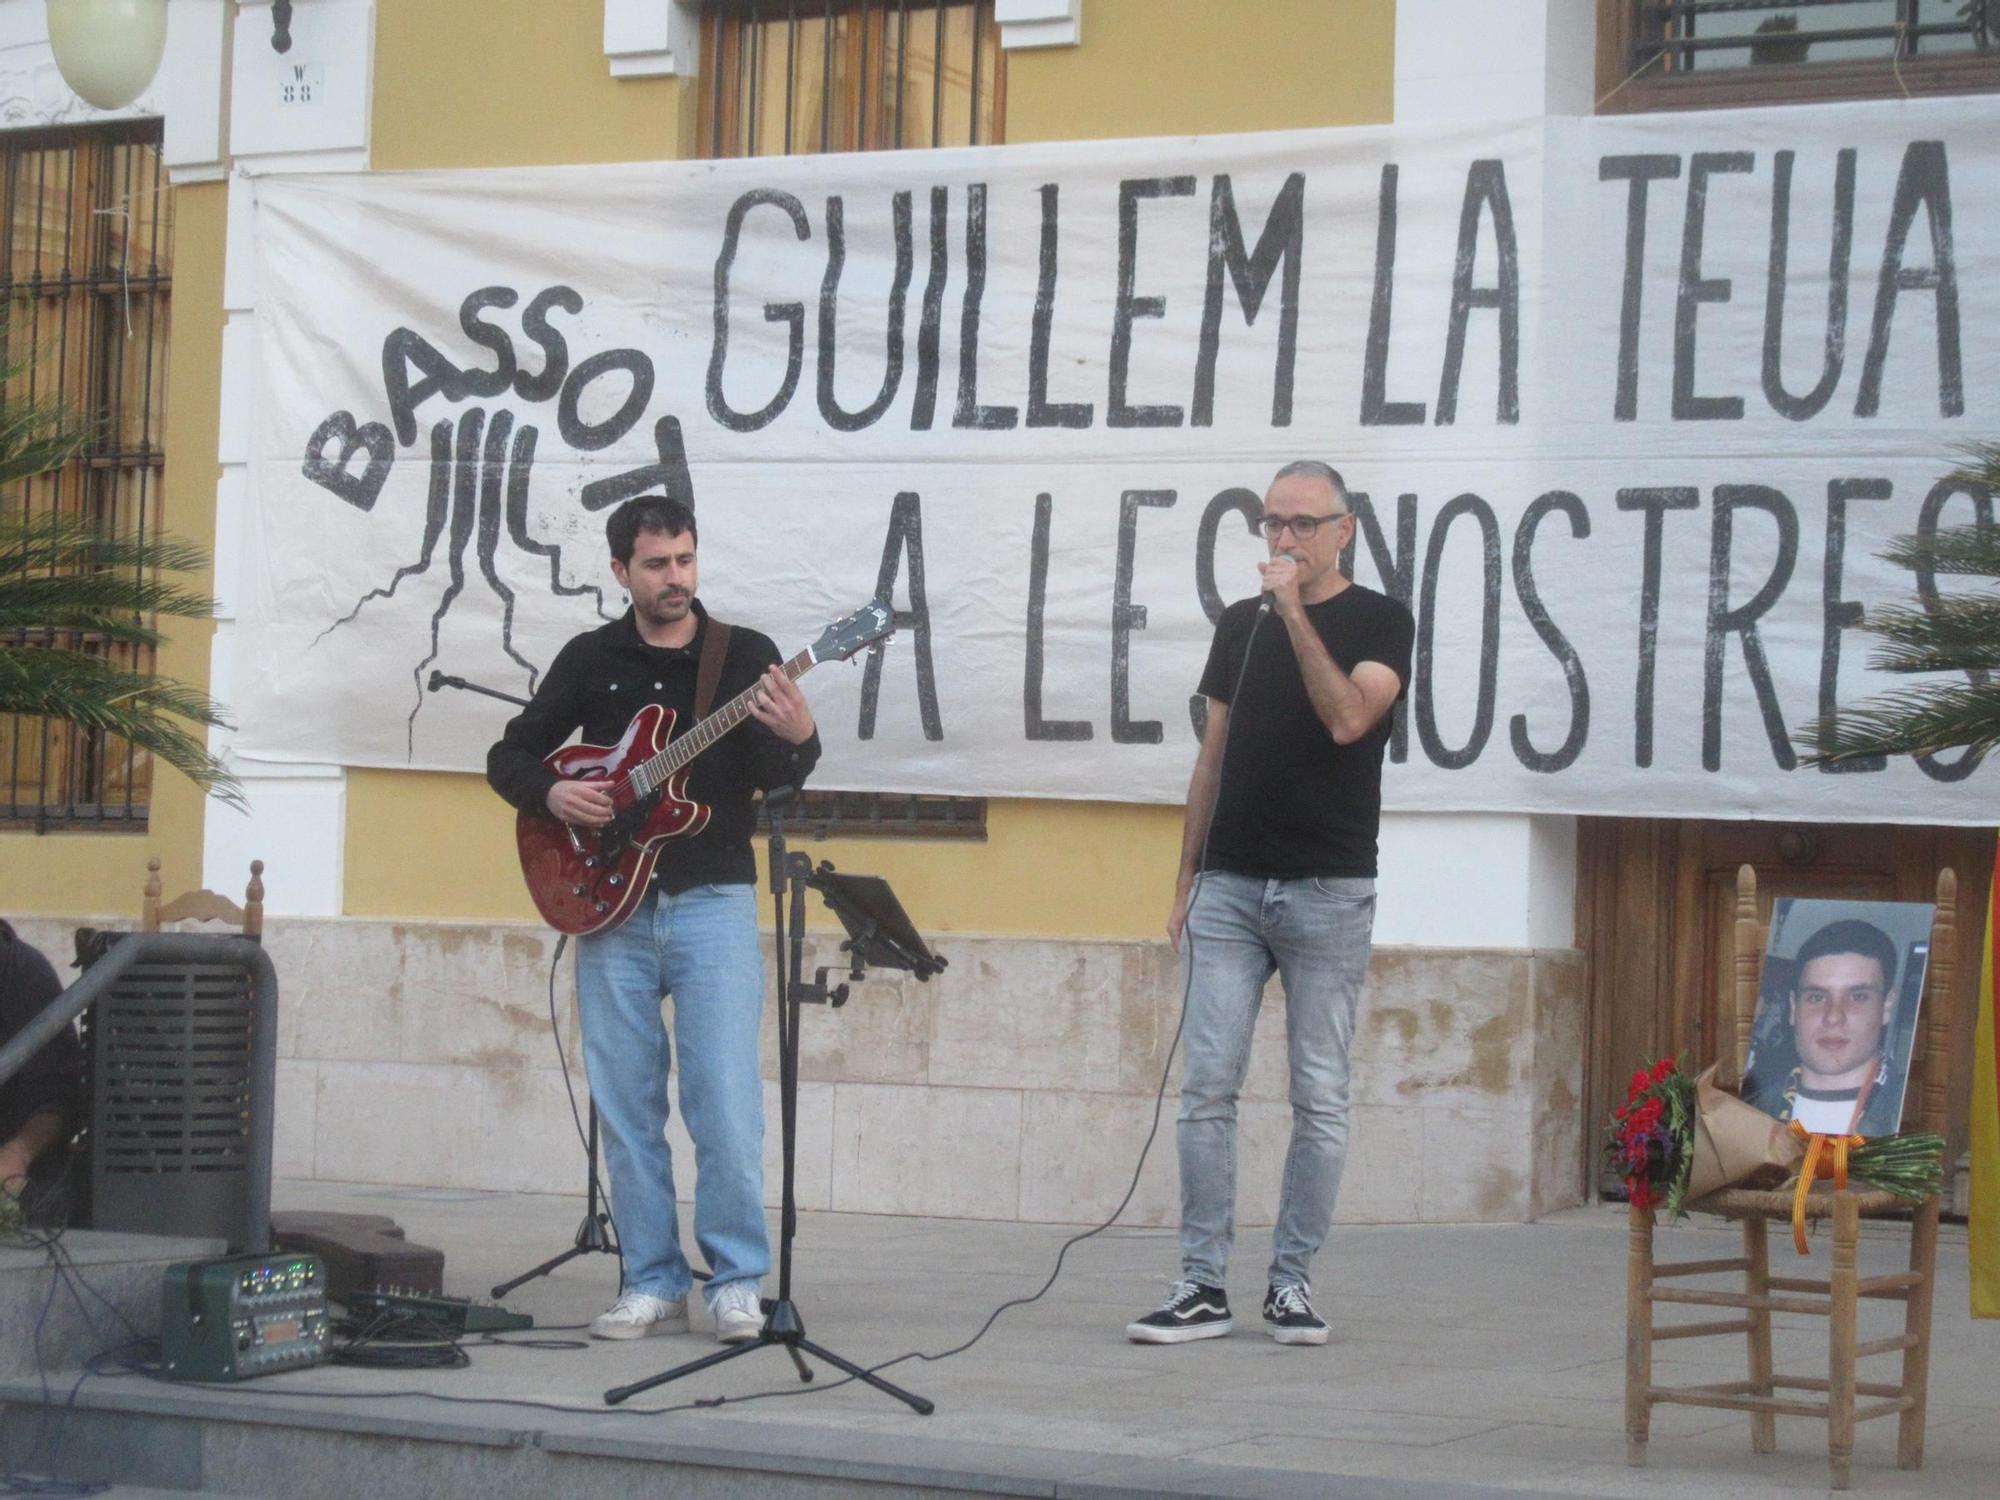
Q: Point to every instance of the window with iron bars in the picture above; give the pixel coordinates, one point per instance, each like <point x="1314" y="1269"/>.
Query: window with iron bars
<point x="1706" y="54"/>
<point x="782" y="77"/>
<point x="785" y="77"/>
<point x="86" y="262"/>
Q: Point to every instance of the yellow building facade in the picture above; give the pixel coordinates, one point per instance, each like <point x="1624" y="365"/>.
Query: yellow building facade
<point x="456" y="86"/>
<point x="1504" y="1004"/>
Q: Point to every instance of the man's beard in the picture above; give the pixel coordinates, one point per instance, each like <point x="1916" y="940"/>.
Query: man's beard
<point x="667" y="608"/>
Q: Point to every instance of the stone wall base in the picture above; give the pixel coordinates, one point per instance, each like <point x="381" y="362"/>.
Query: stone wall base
<point x="1018" y="1084"/>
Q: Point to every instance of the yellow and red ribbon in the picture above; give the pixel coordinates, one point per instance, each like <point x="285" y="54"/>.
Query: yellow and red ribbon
<point x="1826" y="1156"/>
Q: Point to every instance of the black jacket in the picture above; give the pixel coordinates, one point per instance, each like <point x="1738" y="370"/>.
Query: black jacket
<point x="605" y="676"/>
<point x="50" y="1079"/>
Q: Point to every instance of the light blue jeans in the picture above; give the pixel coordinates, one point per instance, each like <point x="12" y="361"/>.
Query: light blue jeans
<point x="702" y="948"/>
<point x="1315" y="934"/>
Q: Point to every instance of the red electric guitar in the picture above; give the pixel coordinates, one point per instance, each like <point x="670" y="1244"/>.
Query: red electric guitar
<point x="589" y="879"/>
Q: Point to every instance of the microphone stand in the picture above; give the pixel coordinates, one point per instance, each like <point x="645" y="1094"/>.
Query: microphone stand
<point x="596" y="1235"/>
<point x="783" y="1328"/>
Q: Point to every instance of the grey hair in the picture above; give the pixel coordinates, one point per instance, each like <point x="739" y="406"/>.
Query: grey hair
<point x="1312" y="468"/>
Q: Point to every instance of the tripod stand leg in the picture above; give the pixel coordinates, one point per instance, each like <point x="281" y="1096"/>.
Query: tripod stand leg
<point x="915" y="1402"/>
<point x="542" y="1270"/>
<point x="721" y="1356"/>
<point x="595" y="1235"/>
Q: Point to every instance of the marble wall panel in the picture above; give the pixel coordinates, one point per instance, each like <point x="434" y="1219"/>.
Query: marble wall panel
<point x="951" y="1152"/>
<point x="1016" y="1084"/>
<point x="471" y="995"/>
<point x="1564" y="1139"/>
<point x="417" y="1124"/>
<point x="1477" y="1165"/>
<point x="1383" y="1180"/>
<point x="295" y="1127"/>
<point x="1149" y="1007"/>
<point x="1445" y="1029"/>
<point x="1078" y="1152"/>
<point x="1030" y="1016"/>
<point x="529" y="1140"/>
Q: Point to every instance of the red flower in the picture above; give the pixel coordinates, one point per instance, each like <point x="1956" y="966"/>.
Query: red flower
<point x="1663" y="1070"/>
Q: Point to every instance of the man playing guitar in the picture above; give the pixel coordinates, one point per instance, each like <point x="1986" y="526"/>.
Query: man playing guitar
<point x="694" y="933"/>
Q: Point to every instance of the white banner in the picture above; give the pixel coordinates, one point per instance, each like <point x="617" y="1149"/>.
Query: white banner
<point x="1629" y="407"/>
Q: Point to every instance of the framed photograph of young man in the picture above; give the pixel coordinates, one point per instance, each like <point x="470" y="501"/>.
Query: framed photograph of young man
<point x="1830" y="1046"/>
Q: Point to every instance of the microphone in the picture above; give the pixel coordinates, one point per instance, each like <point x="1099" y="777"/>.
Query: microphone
<point x="1264" y="605"/>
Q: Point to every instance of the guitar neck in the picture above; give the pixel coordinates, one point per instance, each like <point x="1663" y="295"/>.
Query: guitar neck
<point x="654" y="771"/>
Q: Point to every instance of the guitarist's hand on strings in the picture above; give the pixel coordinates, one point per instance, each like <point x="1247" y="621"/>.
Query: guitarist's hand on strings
<point x="584" y="803"/>
<point x="780" y="707"/>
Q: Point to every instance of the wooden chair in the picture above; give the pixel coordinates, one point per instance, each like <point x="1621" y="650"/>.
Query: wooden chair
<point x="202" y="905"/>
<point x="1835" y="1297"/>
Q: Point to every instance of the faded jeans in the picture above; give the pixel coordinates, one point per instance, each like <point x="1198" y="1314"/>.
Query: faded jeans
<point x="702" y="948"/>
<point x="1315" y="934"/>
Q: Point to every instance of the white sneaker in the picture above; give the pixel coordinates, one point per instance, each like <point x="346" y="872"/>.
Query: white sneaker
<point x="739" y="1315"/>
<point x="636" y="1314"/>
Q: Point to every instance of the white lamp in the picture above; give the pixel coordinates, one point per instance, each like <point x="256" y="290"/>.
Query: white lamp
<point x="108" y="50"/>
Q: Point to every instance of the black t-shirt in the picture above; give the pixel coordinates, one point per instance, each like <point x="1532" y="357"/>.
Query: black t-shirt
<point x="1292" y="802"/>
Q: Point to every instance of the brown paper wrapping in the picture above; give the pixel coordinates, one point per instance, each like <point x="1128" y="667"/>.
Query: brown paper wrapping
<point x="1737" y="1144"/>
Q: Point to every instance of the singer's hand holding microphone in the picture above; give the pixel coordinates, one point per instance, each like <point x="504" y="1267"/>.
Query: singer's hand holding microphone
<point x="1281" y="585"/>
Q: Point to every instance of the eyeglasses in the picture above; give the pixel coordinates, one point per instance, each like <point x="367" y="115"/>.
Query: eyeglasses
<point x="1303" y="527"/>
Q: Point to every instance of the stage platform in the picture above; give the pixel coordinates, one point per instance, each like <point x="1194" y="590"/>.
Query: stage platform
<point x="1465" y="1360"/>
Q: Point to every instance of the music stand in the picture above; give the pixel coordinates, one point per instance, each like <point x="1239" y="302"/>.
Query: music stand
<point x="880" y="935"/>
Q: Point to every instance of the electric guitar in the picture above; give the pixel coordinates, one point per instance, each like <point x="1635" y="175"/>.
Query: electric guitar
<point x="587" y="880"/>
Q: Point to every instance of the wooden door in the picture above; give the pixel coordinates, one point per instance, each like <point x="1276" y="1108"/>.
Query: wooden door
<point x="1654" y="900"/>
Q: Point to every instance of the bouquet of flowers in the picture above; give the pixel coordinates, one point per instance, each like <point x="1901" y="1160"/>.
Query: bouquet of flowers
<point x="1651" y="1133"/>
<point x="1909" y="1164"/>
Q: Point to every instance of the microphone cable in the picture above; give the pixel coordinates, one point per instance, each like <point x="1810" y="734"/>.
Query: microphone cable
<point x="1173" y="1047"/>
<point x="576" y="1115"/>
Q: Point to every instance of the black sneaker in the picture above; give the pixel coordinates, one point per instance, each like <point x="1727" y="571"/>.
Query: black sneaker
<point x="1289" y="1315"/>
<point x="1190" y="1312"/>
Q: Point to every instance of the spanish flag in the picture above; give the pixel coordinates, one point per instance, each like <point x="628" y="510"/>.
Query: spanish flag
<point x="1984" y="1224"/>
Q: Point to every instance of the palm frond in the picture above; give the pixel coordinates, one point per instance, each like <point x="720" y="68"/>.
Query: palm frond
<point x="1965" y="551"/>
<point x="45" y="543"/>
<point x="36" y="435"/>
<point x="1981" y="467"/>
<point x="115" y="604"/>
<point x="1911" y="721"/>
<point x="63" y="573"/>
<point x="1912" y="660"/>
<point x="89" y="692"/>
<point x="1959" y="635"/>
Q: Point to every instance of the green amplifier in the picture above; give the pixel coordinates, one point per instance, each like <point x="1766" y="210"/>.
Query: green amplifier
<point x="241" y="1316"/>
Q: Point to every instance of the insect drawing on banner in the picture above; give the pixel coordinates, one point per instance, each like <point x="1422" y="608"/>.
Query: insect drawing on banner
<point x="482" y="459"/>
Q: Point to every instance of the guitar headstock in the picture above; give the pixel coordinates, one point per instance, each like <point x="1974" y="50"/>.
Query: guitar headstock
<point x="872" y="623"/>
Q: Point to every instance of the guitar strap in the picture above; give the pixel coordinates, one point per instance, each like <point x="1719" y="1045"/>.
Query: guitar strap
<point x="708" y="675"/>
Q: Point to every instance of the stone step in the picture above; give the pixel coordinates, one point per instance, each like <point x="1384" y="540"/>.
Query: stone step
<point x="90" y="1291"/>
<point x="237" y="1443"/>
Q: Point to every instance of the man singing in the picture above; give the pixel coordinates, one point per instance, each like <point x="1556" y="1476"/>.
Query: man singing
<point x="694" y="936"/>
<point x="1277" y="873"/>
